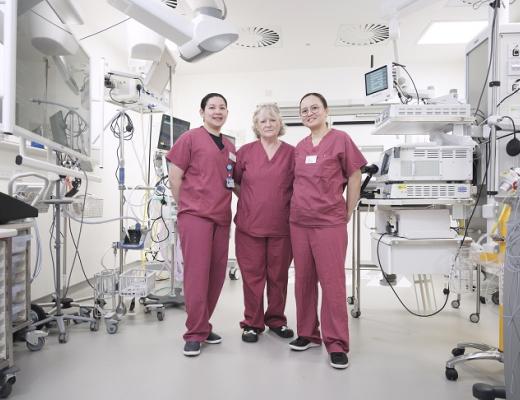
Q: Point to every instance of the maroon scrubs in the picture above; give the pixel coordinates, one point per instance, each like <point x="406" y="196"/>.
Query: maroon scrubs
<point x="263" y="246"/>
<point x="318" y="221"/>
<point x="204" y="217"/>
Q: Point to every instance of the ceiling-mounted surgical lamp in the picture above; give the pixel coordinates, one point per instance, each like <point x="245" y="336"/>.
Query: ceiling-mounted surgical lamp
<point x="196" y="39"/>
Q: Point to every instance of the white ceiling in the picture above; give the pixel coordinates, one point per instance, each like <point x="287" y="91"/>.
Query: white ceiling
<point x="308" y="31"/>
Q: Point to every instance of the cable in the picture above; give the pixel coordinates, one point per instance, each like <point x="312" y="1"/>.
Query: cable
<point x="446" y="291"/>
<point x="492" y="46"/>
<point x="410" y="76"/>
<point x="105" y="29"/>
<point x="508" y="96"/>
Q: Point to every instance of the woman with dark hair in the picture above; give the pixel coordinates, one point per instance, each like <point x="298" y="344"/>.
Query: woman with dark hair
<point x="264" y="174"/>
<point x="201" y="172"/>
<point x="326" y="162"/>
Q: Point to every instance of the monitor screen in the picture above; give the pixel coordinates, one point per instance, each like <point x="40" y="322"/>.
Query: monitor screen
<point x="179" y="127"/>
<point x="376" y="80"/>
<point x="477" y="61"/>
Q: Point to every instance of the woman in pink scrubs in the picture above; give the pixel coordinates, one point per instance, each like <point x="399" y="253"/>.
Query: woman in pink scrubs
<point x="201" y="171"/>
<point x="264" y="177"/>
<point x="326" y="162"/>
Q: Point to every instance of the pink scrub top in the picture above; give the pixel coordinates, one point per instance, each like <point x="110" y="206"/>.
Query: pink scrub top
<point x="265" y="190"/>
<point x="320" y="176"/>
<point x="203" y="191"/>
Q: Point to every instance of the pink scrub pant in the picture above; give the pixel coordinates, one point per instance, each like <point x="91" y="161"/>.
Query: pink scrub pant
<point x="205" y="250"/>
<point x="263" y="260"/>
<point x="319" y="256"/>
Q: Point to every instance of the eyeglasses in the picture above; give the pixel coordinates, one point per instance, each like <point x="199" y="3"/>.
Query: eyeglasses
<point x="308" y="111"/>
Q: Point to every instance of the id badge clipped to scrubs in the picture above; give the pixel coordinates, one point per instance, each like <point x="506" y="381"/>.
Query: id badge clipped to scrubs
<point x="230" y="183"/>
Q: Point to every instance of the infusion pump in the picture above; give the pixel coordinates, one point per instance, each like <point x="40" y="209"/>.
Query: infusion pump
<point x="426" y="171"/>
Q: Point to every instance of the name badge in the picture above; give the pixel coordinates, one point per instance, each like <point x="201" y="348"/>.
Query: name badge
<point x="232" y="157"/>
<point x="311" y="159"/>
<point x="230" y="183"/>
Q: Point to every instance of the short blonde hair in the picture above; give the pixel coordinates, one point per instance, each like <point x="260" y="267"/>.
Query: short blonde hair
<point x="270" y="108"/>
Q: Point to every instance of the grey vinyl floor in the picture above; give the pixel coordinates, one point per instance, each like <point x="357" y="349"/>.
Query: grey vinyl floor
<point x="394" y="355"/>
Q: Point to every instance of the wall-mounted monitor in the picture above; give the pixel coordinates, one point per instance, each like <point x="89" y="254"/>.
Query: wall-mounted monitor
<point x="166" y="139"/>
<point x="379" y="85"/>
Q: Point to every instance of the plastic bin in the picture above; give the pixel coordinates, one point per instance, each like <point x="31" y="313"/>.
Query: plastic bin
<point x="19" y="243"/>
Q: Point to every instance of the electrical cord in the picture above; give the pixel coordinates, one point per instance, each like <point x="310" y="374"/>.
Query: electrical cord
<point x="445" y="291"/>
<point x="105" y="29"/>
<point x="508" y="96"/>
<point x="410" y="76"/>
<point x="492" y="54"/>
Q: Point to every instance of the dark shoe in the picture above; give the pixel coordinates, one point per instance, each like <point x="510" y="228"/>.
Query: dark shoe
<point x="339" y="360"/>
<point x="283" y="332"/>
<point x="213" y="338"/>
<point x="300" y="344"/>
<point x="192" y="349"/>
<point x="250" y="335"/>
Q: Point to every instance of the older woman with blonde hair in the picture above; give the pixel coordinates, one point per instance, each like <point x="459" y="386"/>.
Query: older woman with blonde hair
<point x="264" y="174"/>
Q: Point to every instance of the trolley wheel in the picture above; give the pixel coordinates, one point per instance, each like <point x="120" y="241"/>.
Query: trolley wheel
<point x="147" y="310"/>
<point x="160" y="315"/>
<point x="452" y="374"/>
<point x="455" y="304"/>
<point x="6" y="389"/>
<point x="233" y="275"/>
<point x="355" y="314"/>
<point x="495" y="298"/>
<point x="112" y="328"/>
<point x="94" y="325"/>
<point x="36" y="347"/>
<point x="63" y="337"/>
<point x="457" y="351"/>
<point x="121" y="309"/>
<point x="132" y="305"/>
<point x="482" y="300"/>
<point x="474" y="318"/>
<point x="350" y="300"/>
<point x="142" y="300"/>
<point x="96" y="313"/>
<point x="37" y="313"/>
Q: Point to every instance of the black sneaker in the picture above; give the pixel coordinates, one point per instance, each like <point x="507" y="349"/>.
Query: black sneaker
<point x="250" y="335"/>
<point x="300" y="344"/>
<point x="339" y="360"/>
<point x="283" y="332"/>
<point x="213" y="338"/>
<point x="192" y="349"/>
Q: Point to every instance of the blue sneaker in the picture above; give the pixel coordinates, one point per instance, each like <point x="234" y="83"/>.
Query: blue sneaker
<point x="191" y="349"/>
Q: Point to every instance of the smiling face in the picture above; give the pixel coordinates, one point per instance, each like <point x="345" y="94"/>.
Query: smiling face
<point x="313" y="113"/>
<point x="215" y="113"/>
<point x="267" y="124"/>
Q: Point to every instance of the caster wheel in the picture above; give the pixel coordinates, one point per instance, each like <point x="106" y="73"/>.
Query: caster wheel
<point x="474" y="318"/>
<point x="37" y="313"/>
<point x="121" y="309"/>
<point x="142" y="300"/>
<point x="233" y="275"/>
<point x="147" y="310"/>
<point x="482" y="300"/>
<point x="132" y="305"/>
<point x="452" y="374"/>
<point x="36" y="347"/>
<point x="6" y="390"/>
<point x="350" y="300"/>
<point x="457" y="351"/>
<point x="455" y="304"/>
<point x="495" y="298"/>
<point x="94" y="326"/>
<point x="160" y="315"/>
<point x="63" y="337"/>
<point x="355" y="314"/>
<point x="112" y="328"/>
<point x="84" y="312"/>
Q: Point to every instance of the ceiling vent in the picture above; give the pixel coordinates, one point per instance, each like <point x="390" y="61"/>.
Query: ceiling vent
<point x="257" y="36"/>
<point x="171" y="3"/>
<point x="362" y="35"/>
